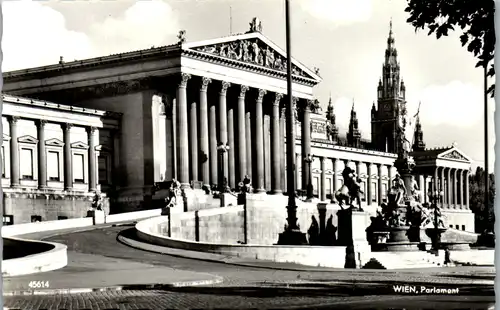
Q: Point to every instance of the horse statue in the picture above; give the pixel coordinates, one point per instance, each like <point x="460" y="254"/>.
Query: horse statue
<point x="350" y="190"/>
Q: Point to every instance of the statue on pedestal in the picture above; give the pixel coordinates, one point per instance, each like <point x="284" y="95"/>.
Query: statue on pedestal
<point x="398" y="191"/>
<point x="350" y="191"/>
<point x="173" y="192"/>
<point x="97" y="202"/>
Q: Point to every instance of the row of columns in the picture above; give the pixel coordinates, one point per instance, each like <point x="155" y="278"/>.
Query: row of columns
<point x="42" y="155"/>
<point x="359" y="164"/>
<point x="454" y="183"/>
<point x="245" y="147"/>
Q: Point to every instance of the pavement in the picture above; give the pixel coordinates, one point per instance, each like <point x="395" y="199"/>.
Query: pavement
<point x="104" y="273"/>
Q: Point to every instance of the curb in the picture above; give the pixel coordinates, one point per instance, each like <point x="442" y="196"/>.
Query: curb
<point x="217" y="280"/>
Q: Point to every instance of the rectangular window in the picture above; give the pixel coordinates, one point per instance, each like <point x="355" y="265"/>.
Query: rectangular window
<point x="53" y="172"/>
<point x="315" y="185"/>
<point x="457" y="227"/>
<point x="384" y="191"/>
<point x="103" y="170"/>
<point x="26" y="162"/>
<point x="374" y="191"/>
<point x="328" y="186"/>
<point x="463" y="227"/>
<point x="3" y="162"/>
<point x="78" y="168"/>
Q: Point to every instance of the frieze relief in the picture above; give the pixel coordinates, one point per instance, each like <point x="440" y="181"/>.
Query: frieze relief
<point x="455" y="155"/>
<point x="251" y="51"/>
<point x="318" y="127"/>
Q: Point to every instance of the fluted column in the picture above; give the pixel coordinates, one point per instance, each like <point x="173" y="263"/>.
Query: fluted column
<point x="275" y="146"/>
<point x="441" y="187"/>
<point x="282" y="149"/>
<point x="212" y="132"/>
<point x="379" y="187"/>
<point x="450" y="188"/>
<point x="193" y="140"/>
<point x="358" y="167"/>
<point x="306" y="143"/>
<point x="14" y="152"/>
<point x="248" y="140"/>
<point x="232" y="147"/>
<point x="68" y="157"/>
<point x="182" y="132"/>
<point x="369" y="185"/>
<point x="242" y="147"/>
<point x="335" y="182"/>
<point x="204" y="145"/>
<point x="259" y="142"/>
<point x="435" y="180"/>
<point x="323" y="179"/>
<point x="461" y="189"/>
<point x="223" y="125"/>
<point x="175" y="164"/>
<point x="455" y="196"/>
<point x="389" y="176"/>
<point x="467" y="175"/>
<point x="42" y="155"/>
<point x="91" y="131"/>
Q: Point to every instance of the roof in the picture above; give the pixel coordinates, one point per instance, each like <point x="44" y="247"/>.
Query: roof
<point x="228" y="50"/>
<point x="56" y="106"/>
<point x="447" y="153"/>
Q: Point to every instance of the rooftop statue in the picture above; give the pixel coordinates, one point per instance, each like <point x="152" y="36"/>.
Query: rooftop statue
<point x="256" y="25"/>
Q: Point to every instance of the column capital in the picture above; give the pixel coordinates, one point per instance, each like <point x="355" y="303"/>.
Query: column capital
<point x="184" y="78"/>
<point x="321" y="158"/>
<point x="13" y="119"/>
<point x="261" y="93"/>
<point x="225" y="86"/>
<point x="91" y="129"/>
<point x="295" y="100"/>
<point x="243" y="90"/>
<point x="277" y="99"/>
<point x="204" y="83"/>
<point x="283" y="113"/>
<point x="40" y="123"/>
<point x="66" y="126"/>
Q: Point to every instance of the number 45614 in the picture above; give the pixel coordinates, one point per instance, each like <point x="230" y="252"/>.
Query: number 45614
<point x="38" y="284"/>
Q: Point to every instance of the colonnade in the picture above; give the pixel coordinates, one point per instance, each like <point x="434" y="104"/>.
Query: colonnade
<point x="454" y="184"/>
<point x="41" y="158"/>
<point x="238" y="124"/>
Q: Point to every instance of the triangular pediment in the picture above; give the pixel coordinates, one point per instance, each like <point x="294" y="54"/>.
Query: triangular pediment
<point x="252" y="48"/>
<point x="454" y="154"/>
<point x="79" y="145"/>
<point x="27" y="139"/>
<point x="102" y="148"/>
<point x="54" y="142"/>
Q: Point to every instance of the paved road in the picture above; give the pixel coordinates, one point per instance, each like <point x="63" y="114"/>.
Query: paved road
<point x="246" y="286"/>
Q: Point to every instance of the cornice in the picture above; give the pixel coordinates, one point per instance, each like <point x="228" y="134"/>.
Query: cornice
<point x="170" y="50"/>
<point x="245" y="66"/>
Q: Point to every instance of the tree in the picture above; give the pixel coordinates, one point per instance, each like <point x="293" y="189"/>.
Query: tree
<point x="475" y="18"/>
<point x="485" y="214"/>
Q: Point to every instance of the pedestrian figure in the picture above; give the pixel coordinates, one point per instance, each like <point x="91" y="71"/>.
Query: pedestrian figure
<point x="447" y="259"/>
<point x="313" y="231"/>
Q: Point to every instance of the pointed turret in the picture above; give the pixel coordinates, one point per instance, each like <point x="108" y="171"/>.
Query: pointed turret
<point x="332" y="129"/>
<point x="353" y="135"/>
<point x="418" y="143"/>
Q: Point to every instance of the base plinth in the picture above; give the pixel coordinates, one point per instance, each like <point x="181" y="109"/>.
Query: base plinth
<point x="292" y="237"/>
<point x="396" y="247"/>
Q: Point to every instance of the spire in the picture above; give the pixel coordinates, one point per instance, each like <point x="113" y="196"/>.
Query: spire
<point x="390" y="84"/>
<point x="332" y="129"/>
<point x="418" y="143"/>
<point x="353" y="135"/>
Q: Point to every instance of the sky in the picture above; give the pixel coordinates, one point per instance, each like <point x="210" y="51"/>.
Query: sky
<point x="345" y="39"/>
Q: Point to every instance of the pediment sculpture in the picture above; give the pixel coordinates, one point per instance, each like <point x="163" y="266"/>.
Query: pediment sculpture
<point x="251" y="51"/>
<point x="454" y="155"/>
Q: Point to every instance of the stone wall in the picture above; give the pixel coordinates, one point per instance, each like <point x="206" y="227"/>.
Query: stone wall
<point x="49" y="206"/>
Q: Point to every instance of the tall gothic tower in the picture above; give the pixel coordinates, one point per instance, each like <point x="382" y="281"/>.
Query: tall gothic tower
<point x="391" y="104"/>
<point x="353" y="135"/>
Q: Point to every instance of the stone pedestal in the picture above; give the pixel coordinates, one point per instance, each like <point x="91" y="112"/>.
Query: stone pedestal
<point x="292" y="237"/>
<point x="352" y="226"/>
<point x="98" y="216"/>
<point x="227" y="199"/>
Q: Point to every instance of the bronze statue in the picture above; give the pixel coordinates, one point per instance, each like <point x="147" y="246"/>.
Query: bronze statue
<point x="173" y="192"/>
<point x="398" y="190"/>
<point x="350" y="191"/>
<point x="97" y="202"/>
<point x="415" y="190"/>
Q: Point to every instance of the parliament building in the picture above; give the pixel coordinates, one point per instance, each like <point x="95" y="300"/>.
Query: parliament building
<point x="122" y="124"/>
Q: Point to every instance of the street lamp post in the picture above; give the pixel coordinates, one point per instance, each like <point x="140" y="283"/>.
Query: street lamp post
<point x="222" y="149"/>
<point x="309" y="186"/>
<point x="292" y="234"/>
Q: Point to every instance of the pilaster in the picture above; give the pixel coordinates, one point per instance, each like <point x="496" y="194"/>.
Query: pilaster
<point x="369" y="185"/>
<point x="68" y="157"/>
<point x="323" y="179"/>
<point x="14" y="152"/>
<point x="379" y="187"/>
<point x="91" y="132"/>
